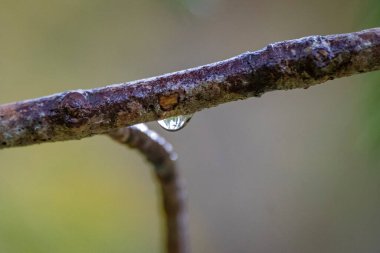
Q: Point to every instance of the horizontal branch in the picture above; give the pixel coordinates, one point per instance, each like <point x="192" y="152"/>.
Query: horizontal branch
<point x="281" y="66"/>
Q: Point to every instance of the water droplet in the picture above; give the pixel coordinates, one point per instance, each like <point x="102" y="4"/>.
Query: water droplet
<point x="175" y="123"/>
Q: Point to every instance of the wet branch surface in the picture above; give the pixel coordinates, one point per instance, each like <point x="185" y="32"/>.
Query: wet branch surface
<point x="280" y="66"/>
<point x="161" y="155"/>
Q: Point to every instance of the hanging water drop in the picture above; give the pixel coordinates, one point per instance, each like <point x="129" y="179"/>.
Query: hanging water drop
<point x="175" y="123"/>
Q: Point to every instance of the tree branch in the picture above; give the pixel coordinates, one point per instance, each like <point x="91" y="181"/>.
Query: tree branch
<point x="161" y="155"/>
<point x="280" y="66"/>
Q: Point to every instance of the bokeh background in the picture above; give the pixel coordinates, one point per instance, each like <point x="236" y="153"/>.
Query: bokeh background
<point x="294" y="171"/>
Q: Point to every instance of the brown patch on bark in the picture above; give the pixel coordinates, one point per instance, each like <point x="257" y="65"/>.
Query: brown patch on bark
<point x="169" y="102"/>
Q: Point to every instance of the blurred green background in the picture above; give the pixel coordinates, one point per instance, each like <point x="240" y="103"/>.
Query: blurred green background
<point x="294" y="171"/>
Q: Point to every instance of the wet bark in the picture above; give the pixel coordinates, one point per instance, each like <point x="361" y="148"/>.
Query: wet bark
<point x="280" y="66"/>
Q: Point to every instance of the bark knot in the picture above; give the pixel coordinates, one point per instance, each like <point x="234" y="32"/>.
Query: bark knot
<point x="75" y="108"/>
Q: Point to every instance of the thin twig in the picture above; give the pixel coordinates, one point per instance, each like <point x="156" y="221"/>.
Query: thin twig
<point x="161" y="155"/>
<point x="280" y="66"/>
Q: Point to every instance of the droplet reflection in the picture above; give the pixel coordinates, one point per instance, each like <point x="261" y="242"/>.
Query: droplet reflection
<point x="175" y="123"/>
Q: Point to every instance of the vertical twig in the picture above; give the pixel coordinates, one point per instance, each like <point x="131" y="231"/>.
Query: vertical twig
<point x="161" y="155"/>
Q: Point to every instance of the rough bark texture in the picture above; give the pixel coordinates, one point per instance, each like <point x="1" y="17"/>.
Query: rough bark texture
<point x="161" y="155"/>
<point x="281" y="66"/>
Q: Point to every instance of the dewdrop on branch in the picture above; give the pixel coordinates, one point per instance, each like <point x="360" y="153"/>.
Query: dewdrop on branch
<point x="175" y="123"/>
